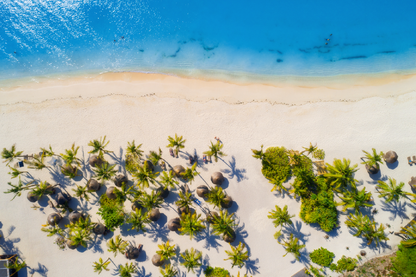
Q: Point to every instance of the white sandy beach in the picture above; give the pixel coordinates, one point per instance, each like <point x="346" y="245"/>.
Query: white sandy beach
<point x="343" y="119"/>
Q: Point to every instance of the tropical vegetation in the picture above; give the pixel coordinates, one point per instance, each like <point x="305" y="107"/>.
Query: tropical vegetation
<point x="237" y="255"/>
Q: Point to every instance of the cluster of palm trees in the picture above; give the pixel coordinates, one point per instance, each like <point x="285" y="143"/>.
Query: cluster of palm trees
<point x="146" y="173"/>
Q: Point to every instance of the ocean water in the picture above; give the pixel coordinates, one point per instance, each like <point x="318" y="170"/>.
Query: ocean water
<point x="270" y="37"/>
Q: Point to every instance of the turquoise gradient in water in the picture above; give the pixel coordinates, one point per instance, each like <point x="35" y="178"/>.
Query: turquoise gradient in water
<point x="46" y="37"/>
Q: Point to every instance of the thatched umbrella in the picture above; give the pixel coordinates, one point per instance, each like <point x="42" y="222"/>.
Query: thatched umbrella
<point x="98" y="228"/>
<point x="217" y="178"/>
<point x="154" y="214"/>
<point x="120" y="179"/>
<point x="149" y="164"/>
<point x="390" y="157"/>
<point x="174" y="224"/>
<point x="363" y="253"/>
<point x="136" y="205"/>
<point x="211" y="215"/>
<point x="178" y="169"/>
<point x="71" y="244"/>
<point x="202" y="190"/>
<point x="62" y="198"/>
<point x="157" y="260"/>
<point x="164" y="192"/>
<point x="74" y="216"/>
<point x="373" y="169"/>
<point x="95" y="161"/>
<point x="54" y="219"/>
<point x="69" y="168"/>
<point x="93" y="185"/>
<point x="110" y="193"/>
<point x="228" y="202"/>
<point x="132" y="252"/>
<point x="32" y="197"/>
<point x="412" y="182"/>
<point x="229" y="238"/>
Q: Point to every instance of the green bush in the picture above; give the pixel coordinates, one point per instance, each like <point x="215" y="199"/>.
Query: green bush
<point x="319" y="154"/>
<point x="313" y="271"/>
<point x="216" y="272"/>
<point x="345" y="263"/>
<point x="404" y="262"/>
<point x="276" y="164"/>
<point x="322" y="256"/>
<point x="302" y="163"/>
<point x="320" y="208"/>
<point x="111" y="211"/>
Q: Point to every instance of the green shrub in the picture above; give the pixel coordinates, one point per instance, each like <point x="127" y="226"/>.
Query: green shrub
<point x="319" y="154"/>
<point x="345" y="263"/>
<point x="276" y="164"/>
<point x="313" y="271"/>
<point x="302" y="163"/>
<point x="404" y="262"/>
<point x="216" y="272"/>
<point x="111" y="211"/>
<point x="322" y="256"/>
<point x="320" y="208"/>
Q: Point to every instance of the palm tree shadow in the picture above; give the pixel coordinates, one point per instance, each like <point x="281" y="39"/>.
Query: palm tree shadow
<point x="205" y="263"/>
<point x="234" y="171"/>
<point x="398" y="209"/>
<point x="210" y="240"/>
<point x="40" y="269"/>
<point x="59" y="178"/>
<point x="382" y="244"/>
<point x="141" y="271"/>
<point x="251" y="266"/>
<point x="8" y="245"/>
<point x="96" y="245"/>
<point x="157" y="231"/>
<point x="119" y="160"/>
<point x="295" y="230"/>
<point x="375" y="180"/>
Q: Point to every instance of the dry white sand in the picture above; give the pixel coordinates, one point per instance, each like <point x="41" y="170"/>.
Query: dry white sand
<point x="34" y="117"/>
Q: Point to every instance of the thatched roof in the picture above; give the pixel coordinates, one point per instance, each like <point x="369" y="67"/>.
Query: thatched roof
<point x="154" y="214"/>
<point x="93" y="185"/>
<point x="174" y="224"/>
<point x="228" y="238"/>
<point x="95" y="161"/>
<point x="98" y="228"/>
<point x="119" y="179"/>
<point x="62" y="198"/>
<point x="228" y="202"/>
<point x="54" y="219"/>
<point x="178" y="169"/>
<point x="202" y="190"/>
<point x="164" y="192"/>
<point x="74" y="216"/>
<point x="412" y="182"/>
<point x="373" y="169"/>
<point x="390" y="157"/>
<point x="157" y="260"/>
<point x="133" y="253"/>
<point x="211" y="215"/>
<point x="217" y="178"/>
<point x="32" y="197"/>
<point x="71" y="244"/>
<point x="110" y="193"/>
<point x="136" y="205"/>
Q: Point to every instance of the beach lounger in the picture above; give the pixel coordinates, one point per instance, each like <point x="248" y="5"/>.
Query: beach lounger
<point x="19" y="164"/>
<point x="414" y="159"/>
<point x="409" y="160"/>
<point x="171" y="152"/>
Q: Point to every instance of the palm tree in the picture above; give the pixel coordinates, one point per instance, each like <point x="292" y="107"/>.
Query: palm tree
<point x="363" y="225"/>
<point x="80" y="237"/>
<point x="52" y="230"/>
<point x="101" y="265"/>
<point x="372" y="161"/>
<point x="190" y="173"/>
<point x="144" y="175"/>
<point x="166" y="251"/>
<point x="138" y="219"/>
<point x="155" y="157"/>
<point x="16" y="264"/>
<point x="127" y="270"/>
<point x="43" y="188"/>
<point x="99" y="147"/>
<point x="410" y="233"/>
<point x="355" y="199"/>
<point x="191" y="259"/>
<point x="37" y="163"/>
<point x="185" y="201"/>
<point x="177" y="143"/>
<point x="215" y="150"/>
<point x="237" y="255"/>
<point x="224" y="224"/>
<point x="9" y="155"/>
<point x="278" y="185"/>
<point x="216" y="197"/>
<point x="311" y="149"/>
<point x="15" y="172"/>
<point x="105" y="171"/>
<point x="152" y="200"/>
<point x="70" y="155"/>
<point x="341" y="174"/>
<point x="167" y="179"/>
<point x="280" y="216"/>
<point x="168" y="271"/>
<point x="82" y="192"/>
<point x="117" y="245"/>
<point x="191" y="224"/>
<point x="69" y="170"/>
<point x="292" y="246"/>
<point x="391" y="191"/>
<point x="48" y="153"/>
<point x="17" y="189"/>
<point x="134" y="150"/>
<point x="258" y="154"/>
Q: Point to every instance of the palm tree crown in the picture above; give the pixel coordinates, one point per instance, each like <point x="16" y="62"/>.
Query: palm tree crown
<point x="134" y="150"/>
<point x="391" y="191"/>
<point x="340" y="175"/>
<point x="292" y="246"/>
<point x="191" y="224"/>
<point x="355" y="199"/>
<point x="372" y="159"/>
<point x="215" y="150"/>
<point x="9" y="155"/>
<point x="101" y="265"/>
<point x="167" y="179"/>
<point x="191" y="259"/>
<point x="237" y="255"/>
<point x="99" y="147"/>
<point x="280" y="216"/>
<point x="410" y="233"/>
<point x="177" y="143"/>
<point x="363" y="225"/>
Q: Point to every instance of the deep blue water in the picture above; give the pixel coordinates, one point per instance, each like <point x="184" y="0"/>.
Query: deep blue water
<point x="45" y="37"/>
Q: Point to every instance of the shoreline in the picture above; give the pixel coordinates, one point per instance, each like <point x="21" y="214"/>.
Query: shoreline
<point x="288" y="90"/>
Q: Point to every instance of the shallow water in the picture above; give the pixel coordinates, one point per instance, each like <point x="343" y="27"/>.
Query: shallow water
<point x="45" y="37"/>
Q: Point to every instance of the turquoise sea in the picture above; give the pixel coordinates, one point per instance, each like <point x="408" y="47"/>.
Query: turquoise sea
<point x="53" y="38"/>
